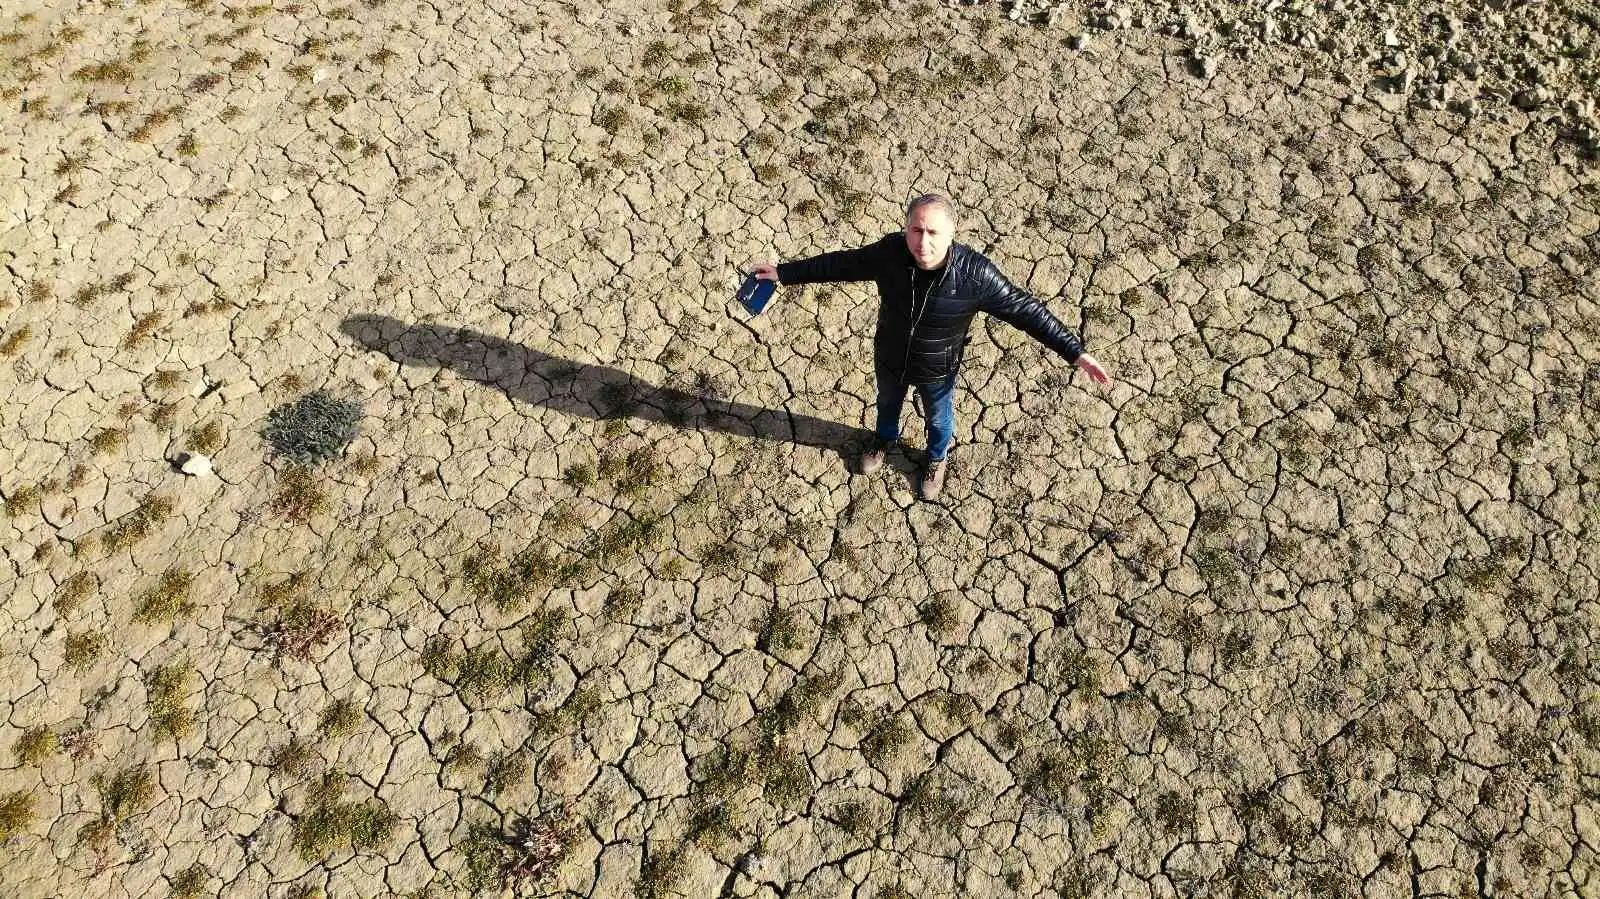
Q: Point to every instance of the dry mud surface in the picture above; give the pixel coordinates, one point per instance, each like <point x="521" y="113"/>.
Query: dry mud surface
<point x="1303" y="605"/>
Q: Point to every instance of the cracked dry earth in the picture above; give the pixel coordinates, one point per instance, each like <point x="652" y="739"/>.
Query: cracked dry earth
<point x="1303" y="605"/>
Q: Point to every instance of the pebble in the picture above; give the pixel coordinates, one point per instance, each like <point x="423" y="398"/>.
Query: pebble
<point x="196" y="465"/>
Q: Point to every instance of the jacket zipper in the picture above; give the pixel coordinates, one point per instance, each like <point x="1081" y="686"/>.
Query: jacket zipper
<point x="916" y="318"/>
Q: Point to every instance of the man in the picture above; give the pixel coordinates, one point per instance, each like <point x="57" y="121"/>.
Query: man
<point x="930" y="288"/>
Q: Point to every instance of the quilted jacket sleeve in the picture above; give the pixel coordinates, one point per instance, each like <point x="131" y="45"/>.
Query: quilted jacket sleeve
<point x="861" y="264"/>
<point x="1024" y="311"/>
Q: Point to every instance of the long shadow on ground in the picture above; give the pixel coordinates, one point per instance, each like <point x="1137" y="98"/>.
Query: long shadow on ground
<point x="589" y="391"/>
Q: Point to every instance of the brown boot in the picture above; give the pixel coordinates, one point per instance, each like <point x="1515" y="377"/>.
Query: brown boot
<point x="872" y="459"/>
<point x="933" y="478"/>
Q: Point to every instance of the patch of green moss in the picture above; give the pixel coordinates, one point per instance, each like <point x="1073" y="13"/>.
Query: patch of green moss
<point x="190" y="883"/>
<point x="167" y="689"/>
<point x="125" y="794"/>
<point x="138" y="524"/>
<point x="939" y="615"/>
<point x="885" y="740"/>
<point x="331" y="824"/>
<point x="339" y="719"/>
<point x="505" y="771"/>
<point x="661" y="874"/>
<point x="166" y="599"/>
<point x="81" y="650"/>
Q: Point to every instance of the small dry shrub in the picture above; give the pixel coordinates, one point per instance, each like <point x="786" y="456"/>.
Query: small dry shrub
<point x="299" y="496"/>
<point x="12" y="343"/>
<point x="36" y="745"/>
<point x="166" y="599"/>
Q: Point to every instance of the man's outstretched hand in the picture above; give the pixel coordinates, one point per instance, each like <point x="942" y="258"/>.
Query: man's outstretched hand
<point x="766" y="271"/>
<point x="1092" y="368"/>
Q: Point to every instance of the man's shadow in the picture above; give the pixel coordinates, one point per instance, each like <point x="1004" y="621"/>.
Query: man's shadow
<point x="588" y="391"/>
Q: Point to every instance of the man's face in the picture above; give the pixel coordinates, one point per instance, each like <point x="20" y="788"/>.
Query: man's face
<point x="929" y="231"/>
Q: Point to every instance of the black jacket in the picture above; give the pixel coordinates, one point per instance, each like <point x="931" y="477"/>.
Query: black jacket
<point x="921" y="339"/>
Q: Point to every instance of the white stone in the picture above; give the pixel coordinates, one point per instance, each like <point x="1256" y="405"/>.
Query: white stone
<point x="196" y="465"/>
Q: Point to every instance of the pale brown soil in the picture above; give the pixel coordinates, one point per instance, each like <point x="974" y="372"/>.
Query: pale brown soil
<point x="1303" y="605"/>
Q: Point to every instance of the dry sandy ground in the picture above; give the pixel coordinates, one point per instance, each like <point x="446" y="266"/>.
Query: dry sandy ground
<point x="1305" y="604"/>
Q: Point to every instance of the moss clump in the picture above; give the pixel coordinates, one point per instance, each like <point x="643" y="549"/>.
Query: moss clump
<point x="167" y="688"/>
<point x="464" y="757"/>
<point x="885" y="740"/>
<point x="633" y="473"/>
<point x="137" y="525"/>
<point x="936" y="803"/>
<point x="855" y="818"/>
<point x="166" y="599"/>
<point x="36" y="745"/>
<point x="786" y="778"/>
<point x="797" y="704"/>
<point x="780" y="632"/>
<point x="73" y="591"/>
<point x="124" y="795"/>
<point x="23" y="500"/>
<point x="107" y="441"/>
<point x="144" y="327"/>
<point x="518" y="860"/>
<point x="509" y="586"/>
<point x="505" y="771"/>
<point x="340" y="719"/>
<point x="1174" y="812"/>
<point x="579" y="475"/>
<point x="294" y="758"/>
<point x="207" y="438"/>
<point x="331" y="824"/>
<point x="12" y="344"/>
<point x="485" y="671"/>
<point x="624" y="538"/>
<point x="82" y="650"/>
<point x="939" y="615"/>
<point x="16" y="814"/>
<point x="190" y="883"/>
<point x="661" y="874"/>
<point x="622" y="604"/>
<point x="1070" y="670"/>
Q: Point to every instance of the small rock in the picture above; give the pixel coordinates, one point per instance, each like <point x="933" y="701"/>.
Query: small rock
<point x="1079" y="41"/>
<point x="1391" y="39"/>
<point x="1530" y="99"/>
<point x="1203" y="66"/>
<point x="195" y="465"/>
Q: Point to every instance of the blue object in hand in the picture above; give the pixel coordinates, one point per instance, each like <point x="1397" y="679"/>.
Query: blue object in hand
<point x="755" y="294"/>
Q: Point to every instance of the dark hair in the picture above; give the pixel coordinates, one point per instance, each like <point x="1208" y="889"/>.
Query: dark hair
<point x="938" y="201"/>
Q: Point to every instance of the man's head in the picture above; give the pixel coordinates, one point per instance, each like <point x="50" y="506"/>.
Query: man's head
<point x="930" y="228"/>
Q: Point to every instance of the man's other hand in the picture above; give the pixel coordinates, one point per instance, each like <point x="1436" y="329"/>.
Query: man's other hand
<point x="766" y="271"/>
<point x="1092" y="368"/>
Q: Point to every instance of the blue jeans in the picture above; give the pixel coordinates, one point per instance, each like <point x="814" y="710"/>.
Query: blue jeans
<point x="938" y="406"/>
